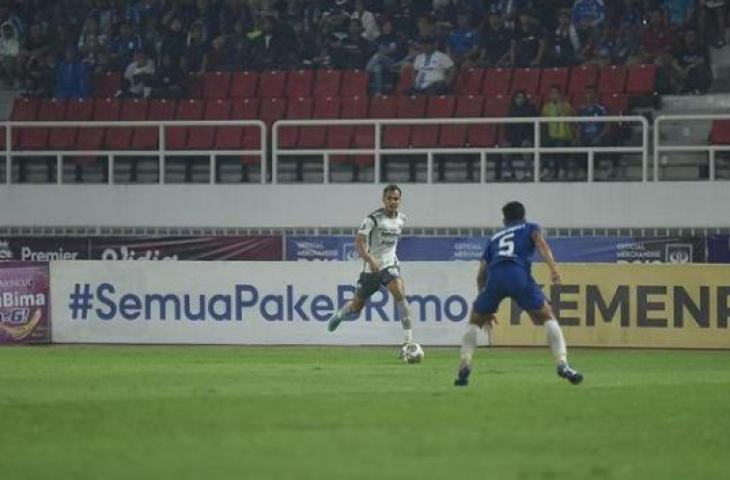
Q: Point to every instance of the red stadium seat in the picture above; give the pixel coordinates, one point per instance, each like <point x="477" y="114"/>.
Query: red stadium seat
<point x="176" y="138"/>
<point x="25" y="109"/>
<point x="201" y="138"/>
<point x="105" y="85"/>
<point x="486" y="135"/>
<point x="341" y="136"/>
<point x="271" y="84"/>
<point x="76" y="111"/>
<point x="554" y="77"/>
<point x="130" y="110"/>
<point x="497" y="81"/>
<point x="405" y="81"/>
<point x="469" y="81"/>
<point x="216" y="84"/>
<point x="299" y="83"/>
<point x="641" y="79"/>
<point x="327" y="83"/>
<point x="526" y="79"/>
<point x="720" y="132"/>
<point x="244" y="85"/>
<point x="37" y="138"/>
<point x="147" y="138"/>
<point x="423" y="136"/>
<point x="381" y="106"/>
<point x="354" y="83"/>
<point x="272" y="109"/>
<point x="582" y="78"/>
<point x="104" y="110"/>
<point x="616" y="103"/>
<point x="299" y="109"/>
<point x="397" y="136"/>
<point x="324" y="108"/>
<point x="612" y="79"/>
<point x="233" y="137"/>
<point x="467" y="106"/>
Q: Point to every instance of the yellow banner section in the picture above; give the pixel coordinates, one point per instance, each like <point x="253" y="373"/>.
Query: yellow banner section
<point x="676" y="306"/>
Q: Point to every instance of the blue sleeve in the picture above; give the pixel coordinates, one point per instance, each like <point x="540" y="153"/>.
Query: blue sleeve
<point x="485" y="255"/>
<point x="534" y="227"/>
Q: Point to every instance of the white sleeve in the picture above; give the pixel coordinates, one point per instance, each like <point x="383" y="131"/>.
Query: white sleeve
<point x="366" y="226"/>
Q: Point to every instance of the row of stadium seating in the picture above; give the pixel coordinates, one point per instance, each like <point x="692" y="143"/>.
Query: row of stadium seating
<point x="267" y="110"/>
<point x="633" y="80"/>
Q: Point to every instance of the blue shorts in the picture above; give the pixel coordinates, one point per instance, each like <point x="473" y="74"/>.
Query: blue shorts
<point x="509" y="281"/>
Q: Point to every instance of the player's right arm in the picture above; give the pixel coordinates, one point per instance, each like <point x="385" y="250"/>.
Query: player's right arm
<point x="547" y="255"/>
<point x="361" y="244"/>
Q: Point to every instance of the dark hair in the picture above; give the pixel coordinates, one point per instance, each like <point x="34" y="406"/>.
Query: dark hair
<point x="391" y="188"/>
<point x="513" y="212"/>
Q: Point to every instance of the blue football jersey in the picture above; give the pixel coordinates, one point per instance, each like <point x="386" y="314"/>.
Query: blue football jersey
<point x="512" y="244"/>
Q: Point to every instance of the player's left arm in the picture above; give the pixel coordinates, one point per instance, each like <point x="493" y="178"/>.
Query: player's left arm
<point x="547" y="255"/>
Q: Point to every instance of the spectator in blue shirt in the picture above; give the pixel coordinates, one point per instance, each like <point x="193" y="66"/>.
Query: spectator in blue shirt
<point x="679" y="11"/>
<point x="123" y="46"/>
<point x="591" y="133"/>
<point x="588" y="13"/>
<point x="72" y="77"/>
<point x="463" y="41"/>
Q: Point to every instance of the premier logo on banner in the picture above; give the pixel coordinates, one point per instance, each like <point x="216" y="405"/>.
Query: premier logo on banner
<point x="288" y="303"/>
<point x="24" y="303"/>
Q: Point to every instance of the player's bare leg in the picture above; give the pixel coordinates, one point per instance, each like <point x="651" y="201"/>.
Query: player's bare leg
<point x="469" y="342"/>
<point x="397" y="288"/>
<point x="557" y="343"/>
<point x="353" y="306"/>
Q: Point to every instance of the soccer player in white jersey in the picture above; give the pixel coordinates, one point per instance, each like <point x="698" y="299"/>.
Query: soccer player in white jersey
<point x="376" y="242"/>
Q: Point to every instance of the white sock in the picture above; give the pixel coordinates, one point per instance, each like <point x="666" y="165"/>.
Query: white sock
<point x="556" y="341"/>
<point x="469" y="343"/>
<point x="345" y="310"/>
<point x="404" y="315"/>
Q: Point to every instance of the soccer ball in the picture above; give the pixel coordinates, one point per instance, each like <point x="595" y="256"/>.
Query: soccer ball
<point x="411" y="353"/>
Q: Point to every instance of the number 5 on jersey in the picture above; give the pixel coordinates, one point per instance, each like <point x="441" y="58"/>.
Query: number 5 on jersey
<point x="507" y="245"/>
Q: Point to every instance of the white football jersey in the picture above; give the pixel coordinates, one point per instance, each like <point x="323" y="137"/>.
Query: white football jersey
<point x="382" y="234"/>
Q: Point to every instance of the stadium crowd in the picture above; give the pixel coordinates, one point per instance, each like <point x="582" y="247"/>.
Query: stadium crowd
<point x="54" y="47"/>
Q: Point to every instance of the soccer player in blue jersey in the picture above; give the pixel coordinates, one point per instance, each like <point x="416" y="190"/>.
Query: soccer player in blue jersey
<point x="504" y="272"/>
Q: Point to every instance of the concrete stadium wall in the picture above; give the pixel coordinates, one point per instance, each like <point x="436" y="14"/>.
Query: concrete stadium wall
<point x="663" y="204"/>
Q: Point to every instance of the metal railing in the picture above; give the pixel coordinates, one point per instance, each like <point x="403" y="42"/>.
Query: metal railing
<point x="711" y="150"/>
<point x="161" y="152"/>
<point x="537" y="150"/>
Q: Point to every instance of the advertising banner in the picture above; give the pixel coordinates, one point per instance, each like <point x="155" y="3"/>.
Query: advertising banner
<point x="718" y="247"/>
<point x="289" y="303"/>
<point x="329" y="247"/>
<point x="689" y="249"/>
<point x="43" y="249"/>
<point x="187" y="248"/>
<point x="24" y="303"/>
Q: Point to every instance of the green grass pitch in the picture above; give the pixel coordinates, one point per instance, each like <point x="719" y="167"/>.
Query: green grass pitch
<point x="118" y="412"/>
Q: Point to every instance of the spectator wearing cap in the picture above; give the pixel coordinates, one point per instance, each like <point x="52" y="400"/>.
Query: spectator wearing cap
<point x="463" y="42"/>
<point x="139" y="76"/>
<point x="529" y="44"/>
<point x="496" y="42"/>
<point x="434" y="70"/>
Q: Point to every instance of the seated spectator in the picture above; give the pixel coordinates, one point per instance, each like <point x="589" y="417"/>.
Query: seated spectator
<point x="195" y="60"/>
<point x="275" y="48"/>
<point x="370" y="30"/>
<point x="529" y="44"/>
<point x="463" y="42"/>
<point x="139" y="77"/>
<point x="123" y="46"/>
<point x="657" y="40"/>
<point x="691" y="65"/>
<point x="174" y="41"/>
<point x="40" y="78"/>
<point x="679" y="12"/>
<point x="37" y="46"/>
<point x="390" y="48"/>
<point x="496" y="42"/>
<point x="588" y="13"/>
<point x="557" y="134"/>
<point x="353" y="51"/>
<point x="92" y="43"/>
<point x="518" y="135"/>
<point x="9" y="55"/>
<point x="591" y="134"/>
<point x="713" y="11"/>
<point x="73" y="78"/>
<point x="168" y="80"/>
<point x="434" y="70"/>
<point x="566" y="45"/>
